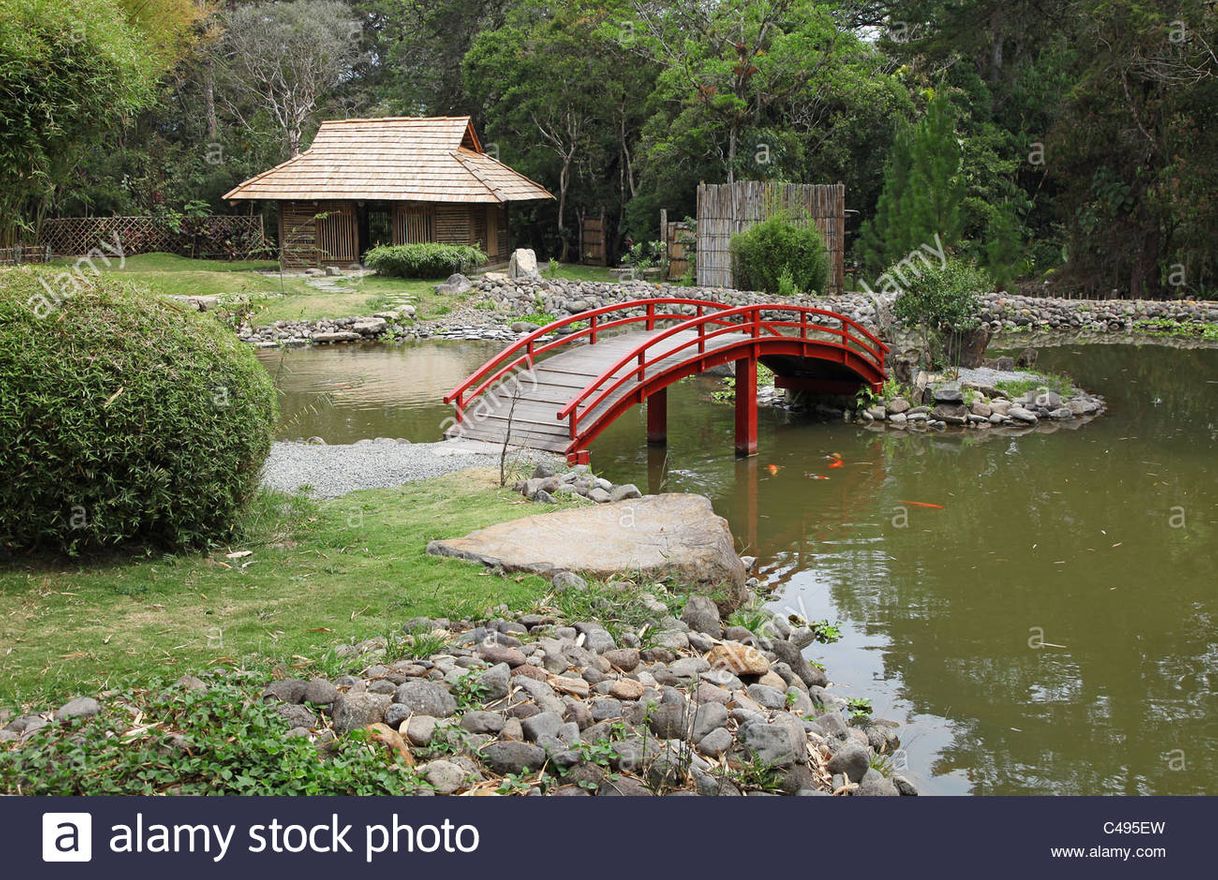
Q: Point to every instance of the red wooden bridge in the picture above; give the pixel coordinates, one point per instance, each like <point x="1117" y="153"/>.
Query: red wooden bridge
<point x="559" y="387"/>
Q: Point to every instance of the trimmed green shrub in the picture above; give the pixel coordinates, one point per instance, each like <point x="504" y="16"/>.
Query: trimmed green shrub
<point x="424" y="260"/>
<point x="123" y="417"/>
<point x="776" y="247"/>
<point x="941" y="297"/>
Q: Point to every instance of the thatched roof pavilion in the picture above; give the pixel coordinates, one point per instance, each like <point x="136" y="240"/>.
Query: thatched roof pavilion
<point x="393" y="180"/>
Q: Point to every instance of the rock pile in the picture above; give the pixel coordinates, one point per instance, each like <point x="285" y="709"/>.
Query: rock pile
<point x="973" y="404"/>
<point x="537" y="705"/>
<point x="551" y="482"/>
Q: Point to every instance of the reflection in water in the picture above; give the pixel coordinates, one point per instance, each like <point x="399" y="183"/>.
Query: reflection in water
<point x="344" y="393"/>
<point x="1053" y="628"/>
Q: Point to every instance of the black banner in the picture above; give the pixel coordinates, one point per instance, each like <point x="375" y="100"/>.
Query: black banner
<point x="724" y="837"/>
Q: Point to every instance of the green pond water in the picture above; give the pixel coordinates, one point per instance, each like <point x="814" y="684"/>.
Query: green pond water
<point x="1053" y="628"/>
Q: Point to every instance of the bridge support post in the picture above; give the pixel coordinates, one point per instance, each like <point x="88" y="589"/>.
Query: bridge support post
<point x="657" y="418"/>
<point x="746" y="407"/>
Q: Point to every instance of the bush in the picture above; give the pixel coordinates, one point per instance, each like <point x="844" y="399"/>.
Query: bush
<point x="778" y="246"/>
<point x="123" y="418"/>
<point x="941" y="298"/>
<point x="424" y="260"/>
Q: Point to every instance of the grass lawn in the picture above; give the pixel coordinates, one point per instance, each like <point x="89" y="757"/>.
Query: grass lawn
<point x="319" y="574"/>
<point x="274" y="296"/>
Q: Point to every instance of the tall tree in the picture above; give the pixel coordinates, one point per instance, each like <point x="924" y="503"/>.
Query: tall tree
<point x="284" y="59"/>
<point x="923" y="190"/>
<point x="69" y="73"/>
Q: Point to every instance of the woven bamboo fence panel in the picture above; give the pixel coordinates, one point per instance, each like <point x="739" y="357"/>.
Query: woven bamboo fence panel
<point x="728" y="208"/>
<point x="23" y="253"/>
<point x="229" y="237"/>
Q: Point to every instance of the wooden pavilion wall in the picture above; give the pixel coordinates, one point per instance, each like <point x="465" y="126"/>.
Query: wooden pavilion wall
<point x="728" y="208"/>
<point x="327" y="233"/>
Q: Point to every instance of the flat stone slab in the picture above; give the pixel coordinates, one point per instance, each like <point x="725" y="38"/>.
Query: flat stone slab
<point x="658" y="536"/>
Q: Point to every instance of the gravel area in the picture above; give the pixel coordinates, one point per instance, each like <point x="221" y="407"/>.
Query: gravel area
<point x="330" y="471"/>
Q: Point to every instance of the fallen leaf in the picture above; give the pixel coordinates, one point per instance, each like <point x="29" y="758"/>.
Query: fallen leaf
<point x="391" y="739"/>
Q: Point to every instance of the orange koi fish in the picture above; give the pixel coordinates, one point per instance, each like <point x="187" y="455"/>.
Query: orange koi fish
<point x="773" y="469"/>
<point x="922" y="504"/>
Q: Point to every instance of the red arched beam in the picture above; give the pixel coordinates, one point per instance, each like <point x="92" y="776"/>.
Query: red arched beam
<point x="753" y="348"/>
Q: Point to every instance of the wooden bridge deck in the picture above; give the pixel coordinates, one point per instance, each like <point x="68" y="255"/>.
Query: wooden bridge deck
<point x="560" y="378"/>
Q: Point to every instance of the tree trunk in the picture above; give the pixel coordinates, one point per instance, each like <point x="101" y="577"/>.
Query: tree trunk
<point x="209" y="100"/>
<point x="564" y="177"/>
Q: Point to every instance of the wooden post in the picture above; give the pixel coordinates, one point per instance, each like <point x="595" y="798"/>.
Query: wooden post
<point x="657" y="418"/>
<point x="746" y="407"/>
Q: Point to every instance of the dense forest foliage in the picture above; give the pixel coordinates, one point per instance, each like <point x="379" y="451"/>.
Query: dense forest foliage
<point x="1071" y="142"/>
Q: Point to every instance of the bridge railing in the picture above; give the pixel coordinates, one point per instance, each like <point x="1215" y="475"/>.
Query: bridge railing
<point x="758" y="322"/>
<point x="587" y="325"/>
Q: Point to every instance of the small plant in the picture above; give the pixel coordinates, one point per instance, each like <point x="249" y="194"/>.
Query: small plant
<point x="469" y="692"/>
<point x="644" y="255"/>
<point x="787" y="287"/>
<point x="755" y="620"/>
<point x="940" y="300"/>
<point x="538" y="318"/>
<point x="552" y="268"/>
<point x="859" y="708"/>
<point x="514" y="783"/>
<point x="413" y="646"/>
<point x="824" y="632"/>
<point x="892" y="389"/>
<point x="882" y="764"/>
<point x="756" y="775"/>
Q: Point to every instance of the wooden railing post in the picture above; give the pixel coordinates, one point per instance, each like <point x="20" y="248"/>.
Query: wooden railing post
<point x="651" y="315"/>
<point x="592" y="332"/>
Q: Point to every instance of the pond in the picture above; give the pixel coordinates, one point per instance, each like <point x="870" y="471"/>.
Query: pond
<point x="1051" y="627"/>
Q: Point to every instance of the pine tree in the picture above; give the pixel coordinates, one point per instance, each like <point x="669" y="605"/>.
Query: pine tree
<point x="922" y="193"/>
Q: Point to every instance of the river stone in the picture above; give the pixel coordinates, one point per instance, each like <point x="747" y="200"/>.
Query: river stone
<point x="513" y="757"/>
<point x="789" y="653"/>
<point x="701" y="614"/>
<point x="356" y="711"/>
<point x="444" y="776"/>
<point x="898" y="405"/>
<point x="567" y="580"/>
<point x="625" y="659"/>
<point x="495" y="682"/>
<point x="426" y="698"/>
<point x="419" y="729"/>
<point x="320" y="692"/>
<point x="948" y="394"/>
<point x="851" y="759"/>
<point x="739" y="659"/>
<point x="656" y="537"/>
<point x="287" y="690"/>
<point x="769" y="743"/>
<point x="715" y="743"/>
<point x="81" y="707"/>
<point x="1019" y="414"/>
<point x="625" y="492"/>
<point x="482" y="722"/>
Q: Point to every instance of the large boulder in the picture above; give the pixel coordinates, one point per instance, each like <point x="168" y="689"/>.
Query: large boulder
<point x="659" y="536"/>
<point x="523" y="264"/>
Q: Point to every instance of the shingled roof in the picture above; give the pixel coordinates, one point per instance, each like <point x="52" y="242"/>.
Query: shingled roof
<point x="399" y="158"/>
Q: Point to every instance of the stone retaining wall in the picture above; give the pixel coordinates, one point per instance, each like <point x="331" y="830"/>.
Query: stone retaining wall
<point x="509" y="299"/>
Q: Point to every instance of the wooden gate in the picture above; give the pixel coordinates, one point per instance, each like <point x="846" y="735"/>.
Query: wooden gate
<point x="592" y="249"/>
<point x="680" y="245"/>
<point x="728" y="208"/>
